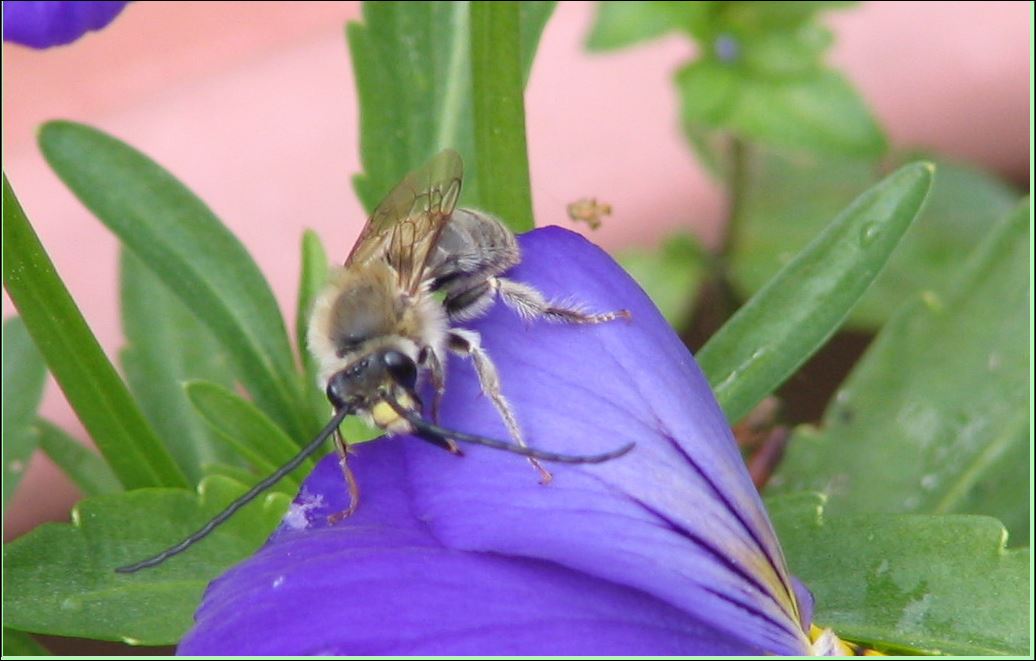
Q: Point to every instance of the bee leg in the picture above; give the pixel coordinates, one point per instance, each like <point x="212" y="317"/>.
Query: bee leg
<point x="354" y="488"/>
<point x="437" y="374"/>
<point x="468" y="343"/>
<point x="438" y="378"/>
<point x="531" y="304"/>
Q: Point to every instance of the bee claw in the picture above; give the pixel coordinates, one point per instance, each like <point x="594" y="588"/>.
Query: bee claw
<point x="546" y="477"/>
<point x="336" y="517"/>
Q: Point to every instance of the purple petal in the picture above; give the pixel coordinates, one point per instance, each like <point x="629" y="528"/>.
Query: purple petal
<point x="384" y="586"/>
<point x="804" y="596"/>
<point x="46" y="24"/>
<point x="677" y="521"/>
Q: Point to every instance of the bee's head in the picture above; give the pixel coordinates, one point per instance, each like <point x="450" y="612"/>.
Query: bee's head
<point x="361" y="384"/>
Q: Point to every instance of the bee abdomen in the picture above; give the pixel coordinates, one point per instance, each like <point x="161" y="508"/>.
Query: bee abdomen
<point x="473" y="246"/>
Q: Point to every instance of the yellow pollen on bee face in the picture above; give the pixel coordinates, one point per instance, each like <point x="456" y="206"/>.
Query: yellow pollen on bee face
<point x="384" y="415"/>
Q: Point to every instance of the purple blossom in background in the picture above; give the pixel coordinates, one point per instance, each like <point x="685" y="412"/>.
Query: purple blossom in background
<point x="46" y="24"/>
<point x="666" y="551"/>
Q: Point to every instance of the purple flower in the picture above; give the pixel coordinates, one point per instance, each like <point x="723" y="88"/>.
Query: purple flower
<point x="726" y="47"/>
<point x="46" y="24"/>
<point x="665" y="551"/>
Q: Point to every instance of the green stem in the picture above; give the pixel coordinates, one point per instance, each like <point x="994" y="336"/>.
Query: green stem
<point x="737" y="189"/>
<point x="717" y="300"/>
<point x="497" y="87"/>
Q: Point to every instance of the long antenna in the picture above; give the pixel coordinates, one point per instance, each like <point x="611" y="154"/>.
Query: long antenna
<point x="233" y="507"/>
<point x="425" y="428"/>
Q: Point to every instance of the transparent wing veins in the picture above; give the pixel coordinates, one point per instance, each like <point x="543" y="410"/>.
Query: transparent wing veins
<point x="405" y="227"/>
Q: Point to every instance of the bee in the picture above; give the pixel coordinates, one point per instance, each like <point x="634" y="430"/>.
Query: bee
<point x="387" y="319"/>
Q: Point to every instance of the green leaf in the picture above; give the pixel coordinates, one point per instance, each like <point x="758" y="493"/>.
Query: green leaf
<point x="83" y="466"/>
<point x="167" y="346"/>
<point x="246" y="429"/>
<point x="19" y="643"/>
<point x="412" y="67"/>
<point x="24" y="376"/>
<point x="790" y="200"/>
<point x="712" y="148"/>
<point x="532" y="19"/>
<point x="412" y="62"/>
<point x="804" y="304"/>
<point x="708" y="90"/>
<point x="819" y="112"/>
<point x="245" y="476"/>
<point x="500" y="149"/>
<point x="999" y="483"/>
<point x="909" y="584"/>
<point x="758" y="19"/>
<point x="759" y="73"/>
<point x="90" y="383"/>
<point x="935" y="417"/>
<point x="312" y="279"/>
<point x="785" y="54"/>
<point x="670" y="275"/>
<point x="188" y="248"/>
<point x="60" y="579"/>
<point x="621" y="24"/>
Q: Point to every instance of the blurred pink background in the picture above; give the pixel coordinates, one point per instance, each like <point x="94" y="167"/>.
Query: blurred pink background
<point x="251" y="104"/>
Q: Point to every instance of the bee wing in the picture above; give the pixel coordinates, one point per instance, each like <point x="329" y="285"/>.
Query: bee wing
<point x="405" y="227"/>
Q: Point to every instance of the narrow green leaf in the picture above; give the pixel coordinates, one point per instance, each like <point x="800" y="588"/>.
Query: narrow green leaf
<point x="19" y="643"/>
<point x="804" y="304"/>
<point x="413" y="78"/>
<point x="413" y="68"/>
<point x="60" y="579"/>
<point x="935" y="417"/>
<point x="909" y="584"/>
<point x="670" y="275"/>
<point x="188" y="248"/>
<point x="167" y="346"/>
<point x="789" y="200"/>
<point x="496" y="76"/>
<point x="83" y="466"/>
<point x="76" y="360"/>
<point x="246" y="429"/>
<point x="312" y="279"/>
<point x="24" y="376"/>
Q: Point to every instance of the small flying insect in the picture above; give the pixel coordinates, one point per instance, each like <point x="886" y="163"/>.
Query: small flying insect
<point x="385" y="322"/>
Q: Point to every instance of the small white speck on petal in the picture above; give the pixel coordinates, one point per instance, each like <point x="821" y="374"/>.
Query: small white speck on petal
<point x="296" y="517"/>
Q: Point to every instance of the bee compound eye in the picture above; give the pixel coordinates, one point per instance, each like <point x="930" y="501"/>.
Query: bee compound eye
<point x="402" y="368"/>
<point x="338" y="390"/>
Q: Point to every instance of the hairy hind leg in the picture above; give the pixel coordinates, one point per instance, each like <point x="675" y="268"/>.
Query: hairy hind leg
<point x="529" y="303"/>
